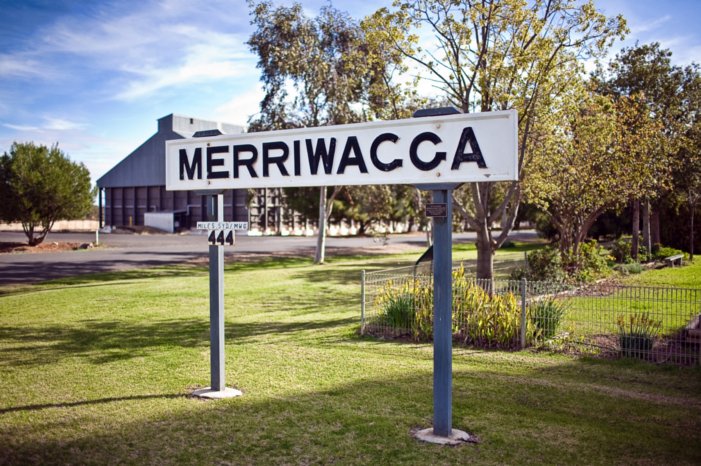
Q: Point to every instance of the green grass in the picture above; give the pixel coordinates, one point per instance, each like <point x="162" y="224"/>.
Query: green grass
<point x="687" y="276"/>
<point x="97" y="369"/>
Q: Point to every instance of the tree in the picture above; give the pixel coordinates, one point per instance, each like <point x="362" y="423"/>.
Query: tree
<point x="647" y="72"/>
<point x="597" y="158"/>
<point x="687" y="172"/>
<point x="497" y="55"/>
<point x="39" y="185"/>
<point x="334" y="73"/>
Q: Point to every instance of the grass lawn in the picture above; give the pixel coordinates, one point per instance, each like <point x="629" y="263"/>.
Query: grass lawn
<point x="97" y="370"/>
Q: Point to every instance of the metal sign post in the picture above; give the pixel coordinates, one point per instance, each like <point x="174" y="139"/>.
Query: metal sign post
<point x="441" y="211"/>
<point x="442" y="317"/>
<point x="217" y="388"/>
<point x="216" y="304"/>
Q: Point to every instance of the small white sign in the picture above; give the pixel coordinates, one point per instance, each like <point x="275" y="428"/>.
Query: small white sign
<point x="222" y="225"/>
<point x="468" y="147"/>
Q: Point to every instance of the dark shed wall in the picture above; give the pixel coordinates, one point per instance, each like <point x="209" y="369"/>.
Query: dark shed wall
<point x="125" y="206"/>
<point x="143" y="167"/>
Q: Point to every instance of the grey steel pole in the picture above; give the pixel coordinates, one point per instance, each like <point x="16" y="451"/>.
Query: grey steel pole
<point x="216" y="305"/>
<point x="442" y="317"/>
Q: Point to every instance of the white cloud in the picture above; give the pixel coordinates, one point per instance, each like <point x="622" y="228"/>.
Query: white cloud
<point x="60" y="124"/>
<point x="217" y="57"/>
<point x="23" y="128"/>
<point x="51" y="124"/>
<point x="20" y="65"/>
<point x="648" y="26"/>
<point x="239" y="108"/>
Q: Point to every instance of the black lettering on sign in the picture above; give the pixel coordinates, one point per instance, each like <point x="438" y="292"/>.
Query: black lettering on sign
<point x="212" y="237"/>
<point x="248" y="163"/>
<point x="413" y="152"/>
<point x="296" y="155"/>
<point x="220" y="237"/>
<point x="379" y="164"/>
<point x="187" y="168"/>
<point x="216" y="162"/>
<point x="230" y="238"/>
<point x="346" y="160"/>
<point x="278" y="159"/>
<point x="468" y="136"/>
<point x="315" y="155"/>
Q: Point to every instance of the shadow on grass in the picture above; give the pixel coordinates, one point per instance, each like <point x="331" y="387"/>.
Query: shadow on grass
<point x="104" y="279"/>
<point x="109" y="341"/>
<point x="74" y="404"/>
<point x="522" y="417"/>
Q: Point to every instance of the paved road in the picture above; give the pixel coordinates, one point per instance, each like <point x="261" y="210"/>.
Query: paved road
<point x="125" y="251"/>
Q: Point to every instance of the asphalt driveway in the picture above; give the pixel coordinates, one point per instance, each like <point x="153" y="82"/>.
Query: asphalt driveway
<point x="128" y="251"/>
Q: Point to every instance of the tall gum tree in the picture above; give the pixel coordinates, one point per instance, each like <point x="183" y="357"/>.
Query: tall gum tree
<point x="495" y="55"/>
<point x="321" y="71"/>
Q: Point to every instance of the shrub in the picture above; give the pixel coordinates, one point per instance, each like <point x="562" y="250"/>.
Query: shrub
<point x="544" y="264"/>
<point x="620" y="250"/>
<point x="481" y="319"/>
<point x="423" y="310"/>
<point x="589" y="263"/>
<point x="396" y="306"/>
<point x="628" y="269"/>
<point x="665" y="251"/>
<point x="637" y="334"/>
<point x="546" y="316"/>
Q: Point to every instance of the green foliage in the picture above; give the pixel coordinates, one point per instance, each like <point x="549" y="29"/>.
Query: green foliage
<point x="545" y="264"/>
<point x="397" y="306"/>
<point x="621" y="250"/>
<point x="497" y="55"/>
<point x="479" y="319"/>
<point x="632" y="268"/>
<point x="589" y="263"/>
<point x="546" y="315"/>
<point x="637" y="334"/>
<point x="663" y="252"/>
<point x="484" y="320"/>
<point x="40" y="185"/>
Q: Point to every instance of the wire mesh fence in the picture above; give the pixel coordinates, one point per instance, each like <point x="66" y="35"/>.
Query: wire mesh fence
<point x="655" y="324"/>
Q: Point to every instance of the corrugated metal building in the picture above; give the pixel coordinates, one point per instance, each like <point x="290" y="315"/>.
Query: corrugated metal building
<point x="136" y="185"/>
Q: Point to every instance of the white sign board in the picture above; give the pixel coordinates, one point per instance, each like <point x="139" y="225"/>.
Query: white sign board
<point x="222" y="225"/>
<point x="442" y="149"/>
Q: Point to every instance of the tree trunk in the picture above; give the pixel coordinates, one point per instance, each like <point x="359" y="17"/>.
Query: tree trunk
<point x="485" y="254"/>
<point x="646" y="228"/>
<point x="635" y="230"/>
<point x="692" y="206"/>
<point x="321" y="237"/>
<point x="655" y="226"/>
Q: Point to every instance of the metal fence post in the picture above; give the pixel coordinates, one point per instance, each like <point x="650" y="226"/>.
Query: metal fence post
<point x="523" y="312"/>
<point x="362" y="302"/>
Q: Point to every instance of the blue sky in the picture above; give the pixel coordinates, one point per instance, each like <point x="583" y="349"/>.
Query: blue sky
<point x="95" y="75"/>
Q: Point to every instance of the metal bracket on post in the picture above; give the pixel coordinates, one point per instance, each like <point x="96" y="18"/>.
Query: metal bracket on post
<point x="217" y="388"/>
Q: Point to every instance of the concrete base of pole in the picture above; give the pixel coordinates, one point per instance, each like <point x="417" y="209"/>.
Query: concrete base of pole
<point x="456" y="437"/>
<point x="208" y="393"/>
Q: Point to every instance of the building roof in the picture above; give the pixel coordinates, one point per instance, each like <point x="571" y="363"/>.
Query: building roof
<point x="145" y="166"/>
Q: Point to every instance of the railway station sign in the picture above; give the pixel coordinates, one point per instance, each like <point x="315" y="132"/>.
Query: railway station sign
<point x="470" y="147"/>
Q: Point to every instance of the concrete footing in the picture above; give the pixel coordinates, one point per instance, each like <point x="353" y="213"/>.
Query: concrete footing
<point x="456" y="437"/>
<point x="208" y="393"/>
